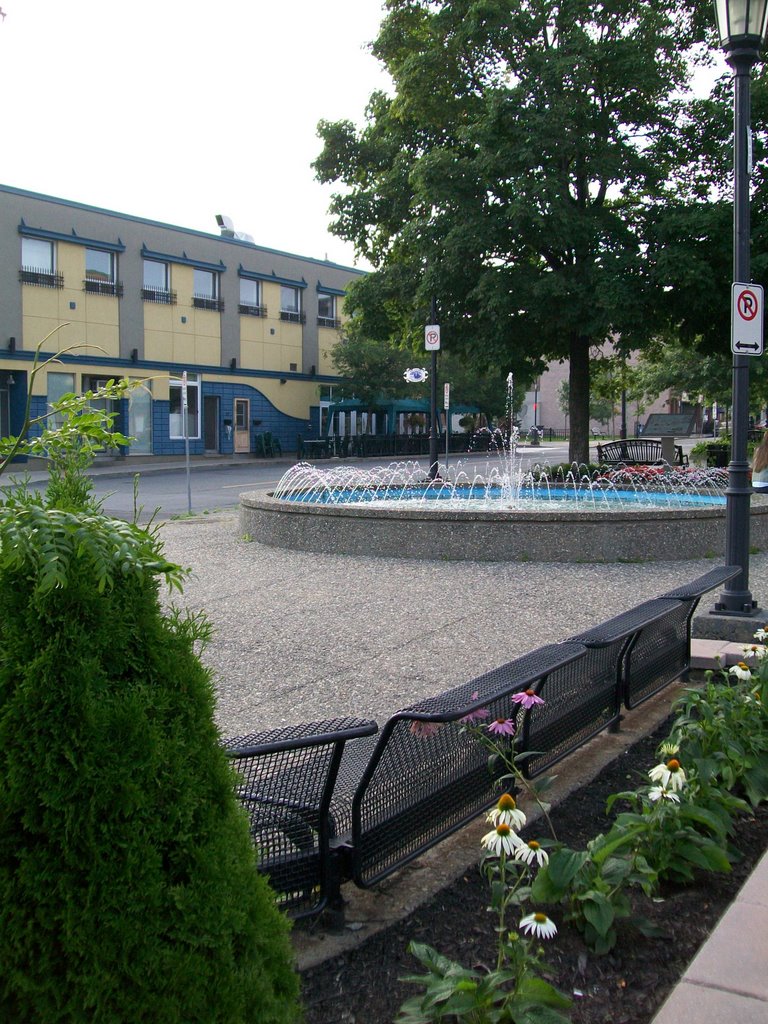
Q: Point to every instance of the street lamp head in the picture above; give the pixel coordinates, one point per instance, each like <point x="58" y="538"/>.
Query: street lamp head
<point x="742" y="24"/>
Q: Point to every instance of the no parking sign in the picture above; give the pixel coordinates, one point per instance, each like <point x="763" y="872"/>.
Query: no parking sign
<point x="747" y="319"/>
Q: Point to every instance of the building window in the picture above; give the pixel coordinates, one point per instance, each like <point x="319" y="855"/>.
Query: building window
<point x="38" y="264"/>
<point x="205" y="290"/>
<point x="58" y="385"/>
<point x="140" y="418"/>
<point x="290" y="304"/>
<point x="250" y="298"/>
<point x="176" y="413"/>
<point x="101" y="272"/>
<point x="326" y="310"/>
<point x="157" y="283"/>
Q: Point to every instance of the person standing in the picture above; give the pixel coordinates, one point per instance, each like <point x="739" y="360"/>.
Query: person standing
<point x="760" y="466"/>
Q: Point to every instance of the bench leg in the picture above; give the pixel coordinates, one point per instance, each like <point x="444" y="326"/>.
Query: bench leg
<point x="333" y="916"/>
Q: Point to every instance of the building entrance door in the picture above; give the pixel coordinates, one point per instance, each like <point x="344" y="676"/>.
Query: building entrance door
<point x="242" y="425"/>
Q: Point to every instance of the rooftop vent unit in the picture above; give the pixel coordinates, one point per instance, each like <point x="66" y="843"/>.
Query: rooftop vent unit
<point x="227" y="229"/>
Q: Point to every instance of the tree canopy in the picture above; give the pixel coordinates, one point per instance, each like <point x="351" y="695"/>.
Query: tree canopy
<point x="509" y="176"/>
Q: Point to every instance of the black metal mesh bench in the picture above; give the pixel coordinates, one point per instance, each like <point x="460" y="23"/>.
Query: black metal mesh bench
<point x="637" y="451"/>
<point x="333" y="801"/>
<point x="427" y="775"/>
<point x="286" y="781"/>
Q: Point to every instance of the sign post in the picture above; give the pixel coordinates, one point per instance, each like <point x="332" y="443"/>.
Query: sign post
<point x="432" y="344"/>
<point x="447" y="406"/>
<point x="747" y="319"/>
<point x="185" y="418"/>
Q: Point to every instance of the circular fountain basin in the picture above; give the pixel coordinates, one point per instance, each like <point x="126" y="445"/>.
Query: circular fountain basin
<point x="392" y="530"/>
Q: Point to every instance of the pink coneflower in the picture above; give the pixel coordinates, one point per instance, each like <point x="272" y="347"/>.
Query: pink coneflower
<point x="527" y="698"/>
<point x="502" y="727"/>
<point x="424" y="729"/>
<point x="475" y="716"/>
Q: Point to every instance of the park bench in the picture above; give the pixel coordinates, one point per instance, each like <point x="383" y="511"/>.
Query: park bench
<point x="336" y="801"/>
<point x="638" y="451"/>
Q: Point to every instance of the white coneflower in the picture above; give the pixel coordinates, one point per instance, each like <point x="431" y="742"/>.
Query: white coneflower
<point x="660" y="793"/>
<point x="670" y="775"/>
<point x="538" y="924"/>
<point x="530" y="852"/>
<point x="507" y="812"/>
<point x="741" y="671"/>
<point x="501" y="840"/>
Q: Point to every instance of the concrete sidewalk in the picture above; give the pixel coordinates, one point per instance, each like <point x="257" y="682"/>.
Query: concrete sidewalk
<point x="728" y="978"/>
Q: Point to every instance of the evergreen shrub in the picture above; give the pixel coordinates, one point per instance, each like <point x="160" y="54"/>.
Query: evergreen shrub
<point x="128" y="885"/>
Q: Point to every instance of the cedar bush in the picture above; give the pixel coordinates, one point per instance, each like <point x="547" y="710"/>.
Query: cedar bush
<point x="128" y="883"/>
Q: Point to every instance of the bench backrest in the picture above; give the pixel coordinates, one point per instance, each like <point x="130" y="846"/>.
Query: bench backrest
<point x="429" y="774"/>
<point x="630" y="450"/>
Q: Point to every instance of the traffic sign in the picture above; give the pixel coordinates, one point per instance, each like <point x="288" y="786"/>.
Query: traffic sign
<point x="432" y="337"/>
<point x="747" y="319"/>
<point x="446" y="396"/>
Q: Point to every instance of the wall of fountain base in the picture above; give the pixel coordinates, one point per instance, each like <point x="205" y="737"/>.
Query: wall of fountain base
<point x="513" y="536"/>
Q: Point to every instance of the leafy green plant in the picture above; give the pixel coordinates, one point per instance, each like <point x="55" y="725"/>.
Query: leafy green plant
<point x="72" y="429"/>
<point x="722" y="732"/>
<point x="129" y="889"/>
<point x="513" y="990"/>
<point x="593" y="884"/>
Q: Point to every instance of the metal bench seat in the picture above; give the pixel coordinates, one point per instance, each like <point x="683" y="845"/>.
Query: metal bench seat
<point x="285" y="781"/>
<point x="637" y="452"/>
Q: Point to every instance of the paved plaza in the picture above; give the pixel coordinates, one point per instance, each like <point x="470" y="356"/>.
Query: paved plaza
<point x="301" y="636"/>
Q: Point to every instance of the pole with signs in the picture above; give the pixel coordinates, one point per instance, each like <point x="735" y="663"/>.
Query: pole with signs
<point x="447" y="407"/>
<point x="432" y="344"/>
<point x="736" y="597"/>
<point x="184" y="416"/>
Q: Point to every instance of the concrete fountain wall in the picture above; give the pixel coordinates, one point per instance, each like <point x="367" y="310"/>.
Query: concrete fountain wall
<point x="514" y="536"/>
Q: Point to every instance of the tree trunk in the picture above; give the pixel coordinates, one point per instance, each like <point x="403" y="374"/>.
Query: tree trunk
<point x="578" y="399"/>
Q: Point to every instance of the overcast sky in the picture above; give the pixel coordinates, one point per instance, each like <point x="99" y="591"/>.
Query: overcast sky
<point x="177" y="111"/>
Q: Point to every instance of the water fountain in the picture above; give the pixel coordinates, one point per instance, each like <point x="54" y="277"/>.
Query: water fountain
<point x="503" y="513"/>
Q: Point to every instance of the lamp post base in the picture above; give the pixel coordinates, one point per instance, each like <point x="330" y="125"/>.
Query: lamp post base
<point x="748" y="609"/>
<point x="714" y="625"/>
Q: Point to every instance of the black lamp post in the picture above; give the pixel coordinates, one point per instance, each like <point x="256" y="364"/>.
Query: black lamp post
<point x="742" y="27"/>
<point x="433" y="456"/>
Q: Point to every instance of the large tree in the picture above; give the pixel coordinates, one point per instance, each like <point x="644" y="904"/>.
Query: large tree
<point x="509" y="173"/>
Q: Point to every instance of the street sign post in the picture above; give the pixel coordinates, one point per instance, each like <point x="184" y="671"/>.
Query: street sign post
<point x="447" y="407"/>
<point x="747" y="319"/>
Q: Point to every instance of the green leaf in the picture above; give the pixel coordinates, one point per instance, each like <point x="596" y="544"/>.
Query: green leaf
<point x="598" y="911"/>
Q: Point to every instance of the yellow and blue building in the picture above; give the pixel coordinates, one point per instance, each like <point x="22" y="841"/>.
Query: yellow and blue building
<point x="252" y="328"/>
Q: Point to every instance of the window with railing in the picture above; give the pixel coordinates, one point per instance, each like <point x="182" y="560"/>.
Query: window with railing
<point x="326" y="311"/>
<point x="250" y="298"/>
<point x="205" y="294"/>
<point x="101" y="273"/>
<point x="38" y="266"/>
<point x="290" y="304"/>
<point x="157" y="283"/>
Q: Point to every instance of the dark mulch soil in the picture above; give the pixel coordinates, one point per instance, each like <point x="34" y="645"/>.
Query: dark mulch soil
<point x="625" y="987"/>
